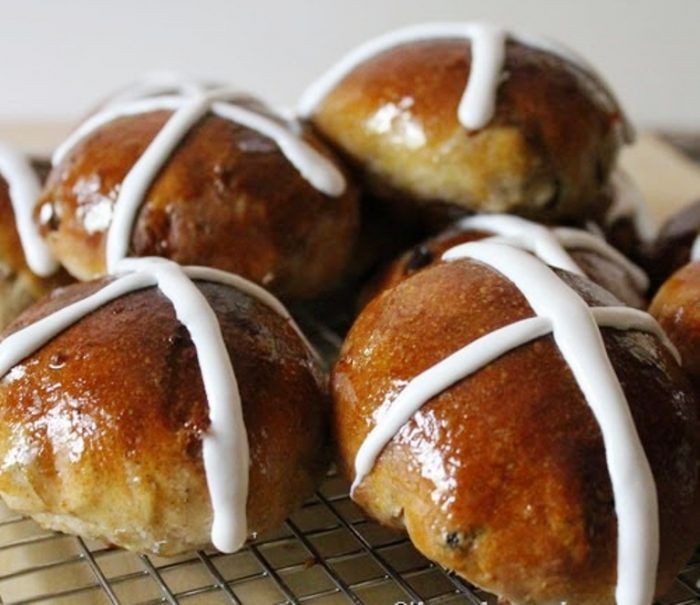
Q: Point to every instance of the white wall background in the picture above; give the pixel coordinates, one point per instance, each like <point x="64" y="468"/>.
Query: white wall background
<point x="60" y="56"/>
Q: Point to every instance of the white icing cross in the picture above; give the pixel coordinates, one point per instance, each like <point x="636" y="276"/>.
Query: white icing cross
<point x="188" y="109"/>
<point x="24" y="189"/>
<point x="550" y="245"/>
<point x="478" y="102"/>
<point x="225" y="445"/>
<point x="575" y="327"/>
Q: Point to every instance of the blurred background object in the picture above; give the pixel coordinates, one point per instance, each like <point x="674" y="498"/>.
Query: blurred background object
<point x="61" y="57"/>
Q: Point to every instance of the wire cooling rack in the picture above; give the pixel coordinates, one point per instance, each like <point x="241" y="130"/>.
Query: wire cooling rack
<point x="327" y="553"/>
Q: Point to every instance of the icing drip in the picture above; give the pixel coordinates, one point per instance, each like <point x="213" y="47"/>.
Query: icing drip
<point x="478" y="102"/>
<point x="551" y="245"/>
<point x="488" y="57"/>
<point x="187" y="110"/>
<point x="225" y="445"/>
<point x="24" y="188"/>
<point x="141" y="175"/>
<point x="575" y="327"/>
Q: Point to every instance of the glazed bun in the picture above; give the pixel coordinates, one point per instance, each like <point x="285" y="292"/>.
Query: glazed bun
<point x="500" y="447"/>
<point x="27" y="270"/>
<point x="527" y="128"/>
<point x="675" y="244"/>
<point x="677" y="308"/>
<point x="566" y="248"/>
<point x="209" y="178"/>
<point x="120" y="427"/>
<point x="627" y="223"/>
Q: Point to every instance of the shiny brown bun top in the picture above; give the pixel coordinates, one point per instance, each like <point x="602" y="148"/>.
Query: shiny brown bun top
<point x="502" y="477"/>
<point x="546" y="152"/>
<point x="676" y="306"/>
<point x="227" y="198"/>
<point x="602" y="270"/>
<point x="101" y="429"/>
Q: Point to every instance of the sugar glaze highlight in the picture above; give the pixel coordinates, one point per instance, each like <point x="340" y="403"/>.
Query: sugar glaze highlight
<point x="488" y="44"/>
<point x="189" y="105"/>
<point x="225" y="445"/>
<point x="559" y="311"/>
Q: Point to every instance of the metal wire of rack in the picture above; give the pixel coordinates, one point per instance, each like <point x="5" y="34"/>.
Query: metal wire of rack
<point x="327" y="553"/>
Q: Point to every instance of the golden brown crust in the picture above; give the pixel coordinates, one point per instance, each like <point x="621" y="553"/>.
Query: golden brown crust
<point x="546" y="153"/>
<point x="102" y="432"/>
<point x="676" y="306"/>
<point x="600" y="270"/>
<point x="227" y="198"/>
<point x="19" y="286"/>
<point x="503" y="476"/>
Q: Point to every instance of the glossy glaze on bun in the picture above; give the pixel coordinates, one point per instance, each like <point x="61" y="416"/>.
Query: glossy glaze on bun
<point x="226" y="196"/>
<point x="502" y="476"/>
<point x="544" y="151"/>
<point x="677" y="308"/>
<point x="103" y="429"/>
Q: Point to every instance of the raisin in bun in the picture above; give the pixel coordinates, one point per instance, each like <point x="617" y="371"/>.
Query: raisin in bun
<point x="207" y="177"/>
<point x="123" y="423"/>
<point x="572" y="249"/>
<point x="525" y="127"/>
<point x="27" y="268"/>
<point x="677" y="308"/>
<point x="477" y="406"/>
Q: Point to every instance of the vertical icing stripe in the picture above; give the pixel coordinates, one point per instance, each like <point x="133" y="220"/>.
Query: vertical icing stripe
<point x="225" y="444"/>
<point x="576" y="330"/>
<point x="579" y="340"/>
<point x="138" y="180"/>
<point x="478" y="103"/>
<point x="252" y="289"/>
<point x="24" y="189"/>
<point x="488" y="41"/>
<point x="187" y="110"/>
<point x="225" y="448"/>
